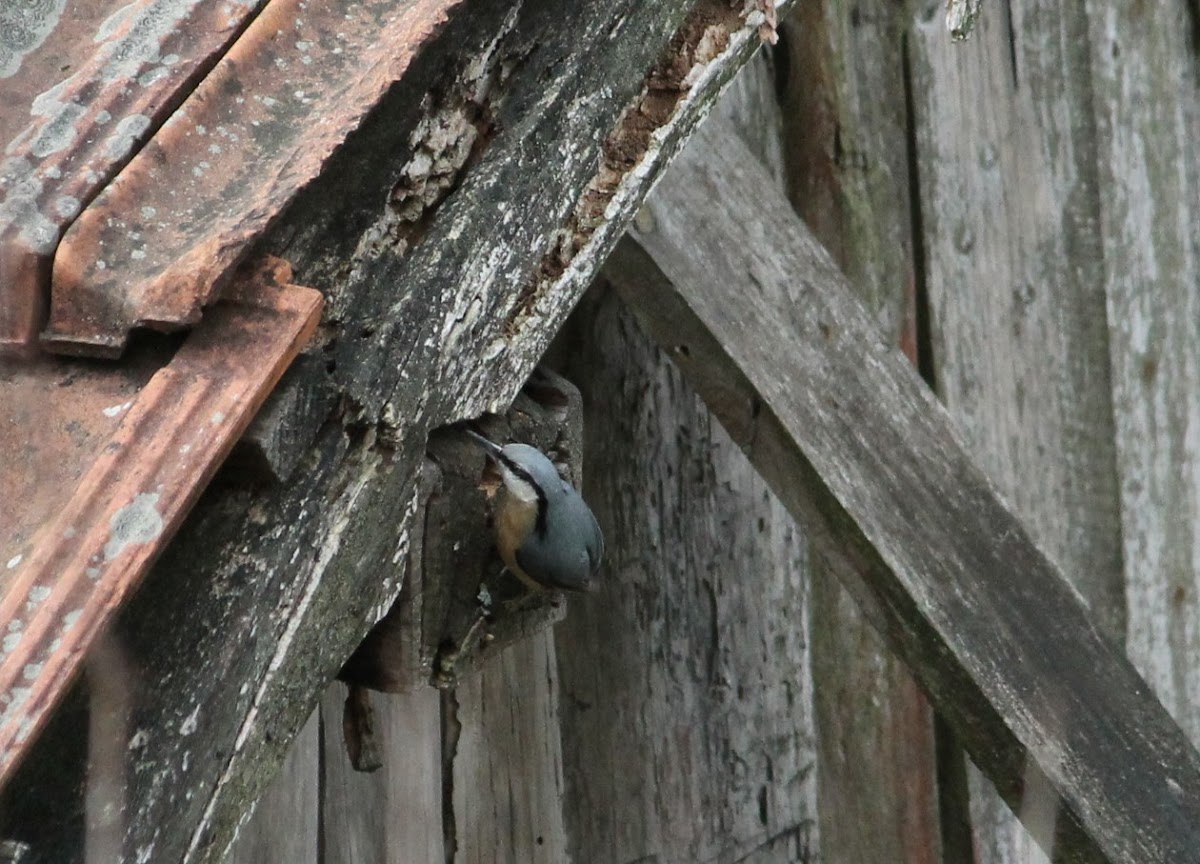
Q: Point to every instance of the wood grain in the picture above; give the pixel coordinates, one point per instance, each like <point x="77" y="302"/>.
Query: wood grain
<point x="848" y="177"/>
<point x="761" y="321"/>
<point x="421" y="333"/>
<point x="285" y="825"/>
<point x="686" y="693"/>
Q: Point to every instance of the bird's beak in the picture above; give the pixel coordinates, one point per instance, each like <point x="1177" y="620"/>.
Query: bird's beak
<point x="489" y="447"/>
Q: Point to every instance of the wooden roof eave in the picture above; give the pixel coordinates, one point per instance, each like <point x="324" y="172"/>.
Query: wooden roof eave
<point x="445" y="289"/>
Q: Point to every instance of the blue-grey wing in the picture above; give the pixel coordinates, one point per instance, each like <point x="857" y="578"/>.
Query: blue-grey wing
<point x="569" y="551"/>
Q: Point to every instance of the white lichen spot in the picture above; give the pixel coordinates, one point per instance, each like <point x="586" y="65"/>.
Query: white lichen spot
<point x="11" y="641"/>
<point x="137" y="254"/>
<point x="54" y="172"/>
<point x="144" y="854"/>
<point x="13" y="561"/>
<point x="93" y="573"/>
<point x="170" y="60"/>
<point x="268" y="101"/>
<point x="38" y="594"/>
<point x="114" y="410"/>
<point x="149" y="212"/>
<point x="24" y="730"/>
<point x="137" y="522"/>
<point x="217" y="417"/>
<point x="156" y="74"/>
<point x="113" y="23"/>
<point x="15" y="625"/>
<point x="32" y="671"/>
<point x="303" y="46"/>
<point x="69" y="532"/>
<point x="188" y="726"/>
<point x="101" y="264"/>
<point x="214" y="149"/>
<point x="67" y="206"/>
<point x="126" y="134"/>
<point x="59" y="132"/>
<point x="71" y="619"/>
<point x="139" y="739"/>
<point x="185" y="449"/>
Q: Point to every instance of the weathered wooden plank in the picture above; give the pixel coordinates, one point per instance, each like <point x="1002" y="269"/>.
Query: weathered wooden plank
<point x="505" y="756"/>
<point x="1006" y="161"/>
<point x="862" y="451"/>
<point x="1147" y="112"/>
<point x="686" y="697"/>
<point x="286" y="825"/>
<point x="393" y="815"/>
<point x="267" y="590"/>
<point x="677" y="675"/>
<point x="845" y="118"/>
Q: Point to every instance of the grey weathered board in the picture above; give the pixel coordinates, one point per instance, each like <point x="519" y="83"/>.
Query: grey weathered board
<point x="686" y="726"/>
<point x="1145" y="69"/>
<point x="845" y="120"/>
<point x="1057" y="165"/>
<point x="267" y="589"/>
<point x="1017" y="308"/>
<point x="686" y="694"/>
<point x="760" y="320"/>
<point x="393" y="815"/>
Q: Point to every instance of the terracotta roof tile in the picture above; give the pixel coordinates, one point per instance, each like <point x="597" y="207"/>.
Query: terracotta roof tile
<point x="63" y="142"/>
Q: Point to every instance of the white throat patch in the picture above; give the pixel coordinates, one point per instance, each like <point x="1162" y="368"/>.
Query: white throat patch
<point x="517" y="486"/>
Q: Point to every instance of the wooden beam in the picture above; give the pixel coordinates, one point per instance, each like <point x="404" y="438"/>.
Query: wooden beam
<point x="730" y="281"/>
<point x="434" y="316"/>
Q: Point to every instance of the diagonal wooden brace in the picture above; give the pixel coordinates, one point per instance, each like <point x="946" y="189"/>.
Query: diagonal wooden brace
<point x="734" y="287"/>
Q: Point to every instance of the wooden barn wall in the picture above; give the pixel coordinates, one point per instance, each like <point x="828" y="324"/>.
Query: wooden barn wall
<point x="1055" y="161"/>
<point x="1018" y="212"/>
<point x="668" y="718"/>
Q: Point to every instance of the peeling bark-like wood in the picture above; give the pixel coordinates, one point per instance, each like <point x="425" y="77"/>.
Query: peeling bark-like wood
<point x="686" y="697"/>
<point x="867" y="457"/>
<point x="845" y="114"/>
<point x="267" y="590"/>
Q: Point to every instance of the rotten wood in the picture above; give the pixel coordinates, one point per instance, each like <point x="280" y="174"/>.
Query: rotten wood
<point x="438" y="329"/>
<point x="761" y="321"/>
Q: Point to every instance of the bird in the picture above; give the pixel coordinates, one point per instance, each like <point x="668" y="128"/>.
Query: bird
<point x="545" y="532"/>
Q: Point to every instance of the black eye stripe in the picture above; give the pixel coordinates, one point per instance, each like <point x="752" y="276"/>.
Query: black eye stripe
<point x="540" y="525"/>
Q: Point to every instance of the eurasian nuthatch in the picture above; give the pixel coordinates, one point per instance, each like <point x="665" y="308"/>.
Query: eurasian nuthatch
<point x="545" y="532"/>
